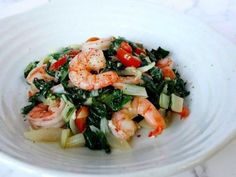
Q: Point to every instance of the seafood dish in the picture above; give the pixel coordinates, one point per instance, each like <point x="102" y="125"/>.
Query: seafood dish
<point x="100" y="93"/>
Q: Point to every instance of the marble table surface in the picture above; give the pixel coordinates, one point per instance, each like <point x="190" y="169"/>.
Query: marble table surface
<point x="218" y="14"/>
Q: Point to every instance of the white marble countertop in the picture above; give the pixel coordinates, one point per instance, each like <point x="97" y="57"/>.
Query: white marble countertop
<point x="220" y="15"/>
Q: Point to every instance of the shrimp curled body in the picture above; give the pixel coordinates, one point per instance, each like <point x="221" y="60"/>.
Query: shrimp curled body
<point x="80" y="70"/>
<point x="37" y="73"/>
<point x="47" y="116"/>
<point x="122" y="125"/>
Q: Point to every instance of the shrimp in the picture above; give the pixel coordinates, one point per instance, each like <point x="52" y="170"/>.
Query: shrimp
<point x="47" y="116"/>
<point x="81" y="66"/>
<point x="124" y="127"/>
<point x="96" y="43"/>
<point x="129" y="76"/>
<point x="120" y="84"/>
<point x="164" y="63"/>
<point x="145" y="108"/>
<point x="130" y="80"/>
<point x="39" y="73"/>
<point x="166" y="66"/>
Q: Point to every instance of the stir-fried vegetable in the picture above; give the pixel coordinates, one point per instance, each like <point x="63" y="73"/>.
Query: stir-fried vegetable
<point x="44" y="135"/>
<point x="98" y="94"/>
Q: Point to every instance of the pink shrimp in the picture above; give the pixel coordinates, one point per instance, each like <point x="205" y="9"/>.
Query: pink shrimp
<point x="130" y="80"/>
<point x="145" y="108"/>
<point x="39" y="73"/>
<point x="97" y="43"/>
<point x="164" y="63"/>
<point x="81" y="66"/>
<point x="166" y="66"/>
<point x="124" y="127"/>
<point x="47" y="116"/>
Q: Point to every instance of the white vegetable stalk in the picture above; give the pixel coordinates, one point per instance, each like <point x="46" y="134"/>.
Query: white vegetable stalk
<point x="75" y="141"/>
<point x="113" y="141"/>
<point x="44" y="135"/>
<point x="94" y="129"/>
<point x="146" y="68"/>
<point x="176" y="103"/>
<point x="130" y="71"/>
<point x="130" y="89"/>
<point x="104" y="126"/>
<point x="68" y="110"/>
<point x="58" y="89"/>
<point x="64" y="136"/>
<point x="73" y="127"/>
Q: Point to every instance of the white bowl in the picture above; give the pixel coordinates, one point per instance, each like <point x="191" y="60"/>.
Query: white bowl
<point x="204" y="58"/>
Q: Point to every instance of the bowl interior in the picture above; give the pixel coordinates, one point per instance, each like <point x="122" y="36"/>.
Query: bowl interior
<point x="197" y="52"/>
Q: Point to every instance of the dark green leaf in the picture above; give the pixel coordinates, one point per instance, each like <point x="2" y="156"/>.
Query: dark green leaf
<point x="160" y="53"/>
<point x="43" y="86"/>
<point x="99" y="110"/>
<point x="151" y="55"/>
<point x="62" y="73"/>
<point x="144" y="61"/>
<point x="48" y="71"/>
<point x="156" y="74"/>
<point x="75" y="95"/>
<point x="96" y="140"/>
<point x="153" y="89"/>
<point x="56" y="55"/>
<point x="177" y="86"/>
<point x="112" y="64"/>
<point x="114" y="99"/>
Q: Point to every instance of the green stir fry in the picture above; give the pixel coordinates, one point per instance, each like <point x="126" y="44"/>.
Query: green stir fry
<point x="100" y="93"/>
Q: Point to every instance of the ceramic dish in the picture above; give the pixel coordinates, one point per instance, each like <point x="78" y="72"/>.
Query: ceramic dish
<point x="204" y="58"/>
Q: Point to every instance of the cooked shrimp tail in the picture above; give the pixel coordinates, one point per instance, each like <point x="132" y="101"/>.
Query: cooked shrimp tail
<point x="156" y="132"/>
<point x="124" y="125"/>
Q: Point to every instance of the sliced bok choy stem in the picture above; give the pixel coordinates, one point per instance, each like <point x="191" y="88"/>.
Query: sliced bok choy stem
<point x="94" y="129"/>
<point x="117" y="143"/>
<point x="147" y="59"/>
<point x="104" y="126"/>
<point x="68" y="110"/>
<point x="58" y="89"/>
<point x="111" y="139"/>
<point x="44" y="135"/>
<point x="73" y="127"/>
<point x="130" y="89"/>
<point x="176" y="103"/>
<point x="165" y="89"/>
<point x="75" y="141"/>
<point x="146" y="68"/>
<point x="64" y="136"/>
<point x="130" y="71"/>
<point x="164" y="101"/>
